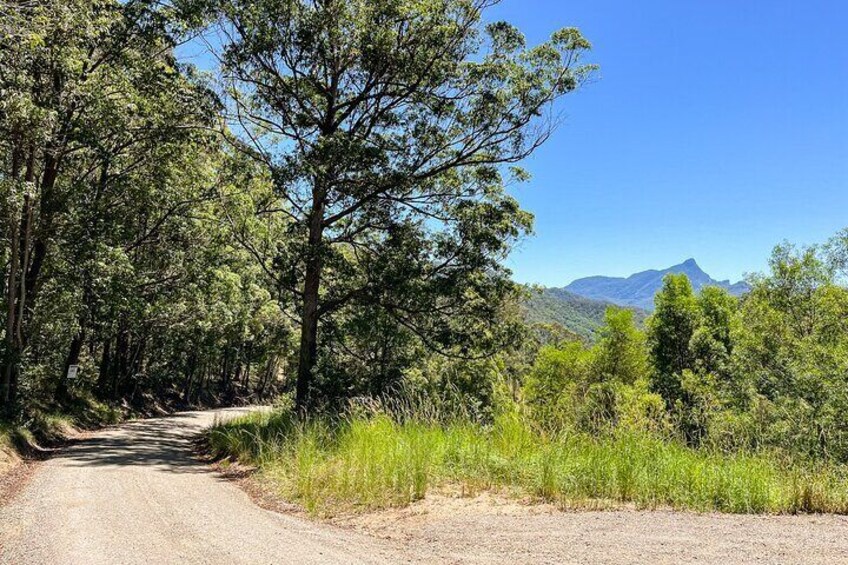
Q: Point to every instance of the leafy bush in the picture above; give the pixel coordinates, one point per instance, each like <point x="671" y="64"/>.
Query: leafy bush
<point x="596" y="390"/>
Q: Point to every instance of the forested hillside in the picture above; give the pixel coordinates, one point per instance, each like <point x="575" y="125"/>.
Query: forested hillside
<point x="583" y="316"/>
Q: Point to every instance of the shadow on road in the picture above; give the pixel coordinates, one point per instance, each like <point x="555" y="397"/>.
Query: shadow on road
<point x="160" y="443"/>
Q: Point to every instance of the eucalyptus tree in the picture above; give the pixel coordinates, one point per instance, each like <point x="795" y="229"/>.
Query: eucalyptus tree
<point x="388" y="126"/>
<point x="91" y="96"/>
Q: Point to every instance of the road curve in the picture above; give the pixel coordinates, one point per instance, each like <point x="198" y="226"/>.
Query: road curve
<point x="135" y="494"/>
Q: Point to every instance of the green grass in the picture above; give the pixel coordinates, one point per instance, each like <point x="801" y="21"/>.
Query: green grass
<point x="13" y="441"/>
<point x="19" y="441"/>
<point x="44" y="427"/>
<point x="364" y="462"/>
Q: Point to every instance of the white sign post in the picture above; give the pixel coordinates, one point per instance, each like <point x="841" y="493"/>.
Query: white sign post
<point x="72" y="372"/>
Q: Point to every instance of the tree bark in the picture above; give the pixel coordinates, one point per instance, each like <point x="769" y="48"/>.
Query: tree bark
<point x="10" y="364"/>
<point x="270" y="367"/>
<point x="105" y="364"/>
<point x="119" y="362"/>
<point x="15" y="284"/>
<point x="223" y="385"/>
<point x="309" y="322"/>
<point x="27" y="258"/>
<point x="189" y="377"/>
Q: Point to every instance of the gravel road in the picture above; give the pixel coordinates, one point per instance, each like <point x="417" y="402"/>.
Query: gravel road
<point x="135" y="494"/>
<point x="487" y="530"/>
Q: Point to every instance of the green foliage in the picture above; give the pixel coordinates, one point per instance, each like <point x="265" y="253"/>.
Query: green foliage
<point x="121" y="214"/>
<point x="596" y="390"/>
<point x="388" y="127"/>
<point x="619" y="355"/>
<point x="333" y="224"/>
<point x="766" y="371"/>
<point x="712" y="342"/>
<point x="363" y="462"/>
<point x="574" y="313"/>
<point x="670" y="330"/>
<point x="794" y="354"/>
<point x="553" y="382"/>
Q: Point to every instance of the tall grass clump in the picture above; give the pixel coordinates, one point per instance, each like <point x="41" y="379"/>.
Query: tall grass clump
<point x="376" y="457"/>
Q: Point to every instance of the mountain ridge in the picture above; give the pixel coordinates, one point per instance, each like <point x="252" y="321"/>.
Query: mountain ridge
<point x="638" y="289"/>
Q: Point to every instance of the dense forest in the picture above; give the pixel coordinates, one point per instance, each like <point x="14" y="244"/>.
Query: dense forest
<point x="320" y="214"/>
<point x="324" y="218"/>
<point x="569" y="311"/>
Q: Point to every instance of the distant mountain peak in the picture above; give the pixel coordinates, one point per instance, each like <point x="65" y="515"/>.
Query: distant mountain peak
<point x="638" y="289"/>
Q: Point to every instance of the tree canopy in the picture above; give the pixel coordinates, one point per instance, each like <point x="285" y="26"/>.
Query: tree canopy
<point x="342" y="175"/>
<point x="386" y="125"/>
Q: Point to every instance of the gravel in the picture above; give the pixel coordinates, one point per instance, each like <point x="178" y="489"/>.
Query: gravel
<point x="135" y="494"/>
<point x="491" y="530"/>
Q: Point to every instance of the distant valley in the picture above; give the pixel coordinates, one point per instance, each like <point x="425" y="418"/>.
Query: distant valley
<point x="578" y="314"/>
<point x="580" y="306"/>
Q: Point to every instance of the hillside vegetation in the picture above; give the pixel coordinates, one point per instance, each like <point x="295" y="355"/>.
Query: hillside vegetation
<point x="583" y="316"/>
<point x="323" y="219"/>
<point x="385" y="459"/>
<point x="323" y="213"/>
<point x="721" y="403"/>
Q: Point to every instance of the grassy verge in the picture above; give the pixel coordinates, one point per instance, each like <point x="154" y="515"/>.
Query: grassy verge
<point x="370" y="462"/>
<point x="9" y="455"/>
<point x="48" y="428"/>
<point x="22" y="441"/>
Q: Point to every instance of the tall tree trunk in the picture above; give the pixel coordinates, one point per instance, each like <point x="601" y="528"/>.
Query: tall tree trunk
<point x="189" y="377"/>
<point x="29" y="250"/>
<point x="10" y="363"/>
<point x="235" y="381"/>
<point x="105" y="365"/>
<point x="119" y="362"/>
<point x="46" y="212"/>
<point x="270" y="370"/>
<point x="245" y="383"/>
<point x="204" y="382"/>
<point x="19" y="235"/>
<point x="245" y="380"/>
<point x="309" y="322"/>
<point x="225" y="371"/>
<point x="136" y="367"/>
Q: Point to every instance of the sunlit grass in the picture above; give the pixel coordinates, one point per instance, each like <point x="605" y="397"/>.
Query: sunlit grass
<point x="43" y="426"/>
<point x="364" y="462"/>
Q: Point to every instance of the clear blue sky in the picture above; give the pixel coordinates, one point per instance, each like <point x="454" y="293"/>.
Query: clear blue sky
<point x="717" y="129"/>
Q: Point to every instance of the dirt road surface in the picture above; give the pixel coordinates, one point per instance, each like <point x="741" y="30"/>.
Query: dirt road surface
<point x="135" y="494"/>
